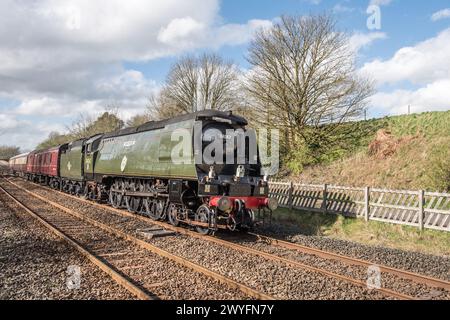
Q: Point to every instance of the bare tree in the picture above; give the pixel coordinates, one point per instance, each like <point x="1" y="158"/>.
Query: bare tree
<point x="194" y="84"/>
<point x="7" y="152"/>
<point x="138" y="119"/>
<point x="86" y="126"/>
<point x="54" y="139"/>
<point x="162" y="106"/>
<point x="304" y="76"/>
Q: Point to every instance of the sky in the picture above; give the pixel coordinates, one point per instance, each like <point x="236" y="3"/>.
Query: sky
<point x="63" y="58"/>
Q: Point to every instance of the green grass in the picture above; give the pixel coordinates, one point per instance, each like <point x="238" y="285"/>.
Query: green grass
<point x="429" y="125"/>
<point x="421" y="161"/>
<point x="370" y="233"/>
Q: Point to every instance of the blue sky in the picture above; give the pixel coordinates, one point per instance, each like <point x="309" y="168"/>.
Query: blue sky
<point x="62" y="58"/>
<point x="404" y="23"/>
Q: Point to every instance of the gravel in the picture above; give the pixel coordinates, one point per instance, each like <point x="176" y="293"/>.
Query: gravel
<point x="426" y="264"/>
<point x="275" y="278"/>
<point x="34" y="262"/>
<point x="388" y="280"/>
<point x="162" y="277"/>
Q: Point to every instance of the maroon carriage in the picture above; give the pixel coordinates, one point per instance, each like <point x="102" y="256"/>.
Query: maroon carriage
<point x="43" y="166"/>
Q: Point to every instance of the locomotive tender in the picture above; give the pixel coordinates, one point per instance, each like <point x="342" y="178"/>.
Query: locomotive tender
<point x="134" y="169"/>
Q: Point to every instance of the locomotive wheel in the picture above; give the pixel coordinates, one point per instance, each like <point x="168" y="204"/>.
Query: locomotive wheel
<point x="133" y="203"/>
<point x="113" y="199"/>
<point x="70" y="188"/>
<point x="77" y="190"/>
<point x="116" y="197"/>
<point x="158" y="208"/>
<point x="202" y="215"/>
<point x="85" y="194"/>
<point x="149" y="206"/>
<point x="172" y="215"/>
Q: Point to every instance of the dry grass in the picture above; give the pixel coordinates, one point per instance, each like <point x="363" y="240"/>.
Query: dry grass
<point x="404" y="156"/>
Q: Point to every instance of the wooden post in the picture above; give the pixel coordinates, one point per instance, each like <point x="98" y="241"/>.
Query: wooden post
<point x="366" y="203"/>
<point x="290" y="197"/>
<point x="324" y="201"/>
<point x="421" y="211"/>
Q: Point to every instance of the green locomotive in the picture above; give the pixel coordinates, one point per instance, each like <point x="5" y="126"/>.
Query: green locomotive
<point x="134" y="168"/>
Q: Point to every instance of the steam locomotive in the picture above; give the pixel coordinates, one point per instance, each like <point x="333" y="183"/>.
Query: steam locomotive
<point x="160" y="170"/>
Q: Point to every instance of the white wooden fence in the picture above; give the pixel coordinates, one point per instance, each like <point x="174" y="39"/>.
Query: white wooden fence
<point x="421" y="209"/>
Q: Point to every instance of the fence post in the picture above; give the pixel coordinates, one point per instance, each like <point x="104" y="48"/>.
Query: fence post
<point x="290" y="197"/>
<point x="366" y="203"/>
<point x="325" y="196"/>
<point x="421" y="211"/>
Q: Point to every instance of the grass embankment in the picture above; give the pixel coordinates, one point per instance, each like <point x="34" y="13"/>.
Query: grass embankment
<point x="370" y="233"/>
<point x="416" y="155"/>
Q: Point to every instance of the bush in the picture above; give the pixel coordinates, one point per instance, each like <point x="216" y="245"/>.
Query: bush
<point x="439" y="167"/>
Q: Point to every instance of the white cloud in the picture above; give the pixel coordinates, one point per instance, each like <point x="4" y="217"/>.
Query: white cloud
<point x="434" y="96"/>
<point x="180" y="29"/>
<point x="65" y="57"/>
<point x="442" y="14"/>
<point x="187" y="33"/>
<point x="129" y="90"/>
<point x="235" y="34"/>
<point x="73" y="43"/>
<point x="7" y="122"/>
<point x="420" y="64"/>
<point x="24" y="133"/>
<point x="424" y="66"/>
<point x="81" y="31"/>
<point x="360" y="40"/>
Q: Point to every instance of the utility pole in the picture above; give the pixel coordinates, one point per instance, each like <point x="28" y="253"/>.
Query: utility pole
<point x="409" y="109"/>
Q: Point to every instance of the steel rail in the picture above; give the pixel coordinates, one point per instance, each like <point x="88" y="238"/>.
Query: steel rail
<point x="156" y="250"/>
<point x="416" y="277"/>
<point x="239" y="247"/>
<point x="118" y="278"/>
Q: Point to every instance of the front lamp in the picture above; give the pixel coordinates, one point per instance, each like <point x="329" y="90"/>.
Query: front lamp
<point x="224" y="204"/>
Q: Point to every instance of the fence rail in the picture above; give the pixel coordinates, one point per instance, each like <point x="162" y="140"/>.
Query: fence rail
<point x="430" y="210"/>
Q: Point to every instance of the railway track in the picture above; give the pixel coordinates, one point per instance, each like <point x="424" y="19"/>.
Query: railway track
<point x="417" y="278"/>
<point x="120" y="255"/>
